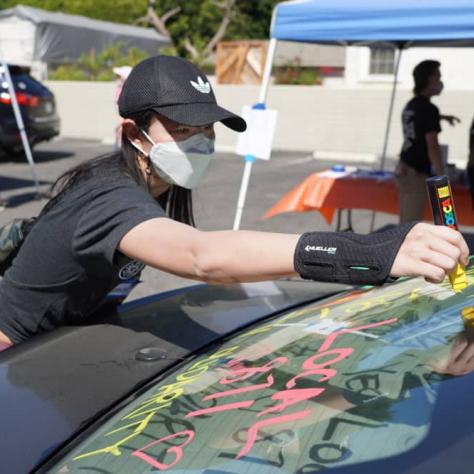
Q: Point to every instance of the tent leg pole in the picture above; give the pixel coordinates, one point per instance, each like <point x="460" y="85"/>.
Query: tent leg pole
<point x="390" y="110"/>
<point x="267" y="71"/>
<point x="21" y="125"/>
<point x="249" y="159"/>
<point x="389" y="123"/>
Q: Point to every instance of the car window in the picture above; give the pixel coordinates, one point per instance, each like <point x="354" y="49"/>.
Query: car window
<point x="17" y="70"/>
<point x="22" y="81"/>
<point x="352" y="379"/>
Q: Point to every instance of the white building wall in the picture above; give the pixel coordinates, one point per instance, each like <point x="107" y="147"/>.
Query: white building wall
<point x="17" y="41"/>
<point x="348" y="121"/>
<point x="87" y="109"/>
<point x="457" y="67"/>
<point x="344" y="122"/>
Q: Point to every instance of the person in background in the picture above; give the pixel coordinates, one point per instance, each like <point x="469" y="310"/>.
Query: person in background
<point x="121" y="74"/>
<point x="421" y="153"/>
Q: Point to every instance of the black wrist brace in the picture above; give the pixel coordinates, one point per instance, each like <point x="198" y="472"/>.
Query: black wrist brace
<point x="345" y="257"/>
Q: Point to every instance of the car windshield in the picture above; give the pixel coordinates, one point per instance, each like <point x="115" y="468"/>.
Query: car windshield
<point x="352" y="379"/>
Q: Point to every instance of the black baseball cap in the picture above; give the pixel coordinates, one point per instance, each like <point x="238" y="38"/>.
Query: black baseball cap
<point x="178" y="90"/>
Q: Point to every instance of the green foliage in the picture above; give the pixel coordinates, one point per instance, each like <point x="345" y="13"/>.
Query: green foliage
<point x="295" y="74"/>
<point x="95" y="66"/>
<point x="68" y="72"/>
<point x="119" y="11"/>
<point x="251" y="19"/>
<point x="198" y="20"/>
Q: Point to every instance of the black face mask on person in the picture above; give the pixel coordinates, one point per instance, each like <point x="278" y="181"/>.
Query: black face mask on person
<point x="439" y="88"/>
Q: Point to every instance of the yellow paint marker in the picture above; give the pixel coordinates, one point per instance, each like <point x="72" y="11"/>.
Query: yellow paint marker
<point x="444" y="213"/>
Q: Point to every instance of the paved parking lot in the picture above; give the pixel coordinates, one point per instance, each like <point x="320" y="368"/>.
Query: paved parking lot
<point x="214" y="200"/>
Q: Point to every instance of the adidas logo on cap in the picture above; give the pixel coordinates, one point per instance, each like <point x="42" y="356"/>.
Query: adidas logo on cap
<point x="201" y="86"/>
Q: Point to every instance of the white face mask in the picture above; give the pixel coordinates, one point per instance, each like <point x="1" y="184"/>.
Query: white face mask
<point x="182" y="163"/>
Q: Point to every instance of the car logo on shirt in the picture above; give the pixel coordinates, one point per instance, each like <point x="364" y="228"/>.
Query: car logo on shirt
<point x="131" y="269"/>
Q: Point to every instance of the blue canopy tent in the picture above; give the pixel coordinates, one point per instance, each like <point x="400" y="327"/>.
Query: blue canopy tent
<point x="396" y="23"/>
<point x="400" y="22"/>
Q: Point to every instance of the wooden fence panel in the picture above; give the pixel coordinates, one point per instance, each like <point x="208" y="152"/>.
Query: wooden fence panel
<point x="240" y="62"/>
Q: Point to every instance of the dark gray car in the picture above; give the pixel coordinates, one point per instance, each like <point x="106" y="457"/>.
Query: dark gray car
<point x="37" y="106"/>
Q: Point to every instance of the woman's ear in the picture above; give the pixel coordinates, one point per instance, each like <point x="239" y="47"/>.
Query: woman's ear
<point x="133" y="134"/>
<point x="130" y="128"/>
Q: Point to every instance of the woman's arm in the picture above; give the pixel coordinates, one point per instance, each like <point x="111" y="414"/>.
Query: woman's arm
<point x="451" y="119"/>
<point x="236" y="256"/>
<point x="213" y="257"/>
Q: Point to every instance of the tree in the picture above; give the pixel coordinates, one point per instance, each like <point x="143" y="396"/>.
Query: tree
<point x="251" y="20"/>
<point x="194" y="27"/>
<point x="197" y="26"/>
<point x="119" y="11"/>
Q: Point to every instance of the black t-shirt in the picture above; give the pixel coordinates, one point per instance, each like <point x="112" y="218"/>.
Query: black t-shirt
<point x="419" y="117"/>
<point x="69" y="261"/>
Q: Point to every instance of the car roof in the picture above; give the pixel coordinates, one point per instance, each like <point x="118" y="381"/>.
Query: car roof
<point x="55" y="384"/>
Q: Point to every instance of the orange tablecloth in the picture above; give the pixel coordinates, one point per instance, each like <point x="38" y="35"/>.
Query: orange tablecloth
<point x="326" y="194"/>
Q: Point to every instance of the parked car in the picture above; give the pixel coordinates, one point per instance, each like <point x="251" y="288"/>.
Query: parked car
<point x="261" y="378"/>
<point x="37" y="107"/>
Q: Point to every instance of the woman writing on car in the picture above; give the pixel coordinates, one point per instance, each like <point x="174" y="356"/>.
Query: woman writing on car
<point x="116" y="213"/>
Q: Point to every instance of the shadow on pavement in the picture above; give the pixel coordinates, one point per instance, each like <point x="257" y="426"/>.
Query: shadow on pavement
<point x="40" y="156"/>
<point x="8" y="183"/>
<point x="20" y="199"/>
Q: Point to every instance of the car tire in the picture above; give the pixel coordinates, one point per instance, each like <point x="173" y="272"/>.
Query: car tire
<point x="3" y="155"/>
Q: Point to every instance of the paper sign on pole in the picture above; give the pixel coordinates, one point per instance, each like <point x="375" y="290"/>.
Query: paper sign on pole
<point x="258" y="138"/>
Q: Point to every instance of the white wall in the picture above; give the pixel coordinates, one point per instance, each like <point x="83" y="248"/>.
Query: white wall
<point x="17" y="40"/>
<point x="310" y="117"/>
<point x="87" y="109"/>
<point x="457" y="67"/>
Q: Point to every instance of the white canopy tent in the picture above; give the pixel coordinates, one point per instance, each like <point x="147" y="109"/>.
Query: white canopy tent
<point x="394" y="23"/>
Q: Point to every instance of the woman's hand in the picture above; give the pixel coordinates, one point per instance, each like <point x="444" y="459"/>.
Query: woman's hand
<point x="431" y="251"/>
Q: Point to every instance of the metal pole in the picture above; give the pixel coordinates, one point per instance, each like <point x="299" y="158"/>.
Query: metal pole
<point x="267" y="71"/>
<point x="390" y="110"/>
<point x="250" y="159"/>
<point x="389" y="123"/>
<point x="19" y="121"/>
